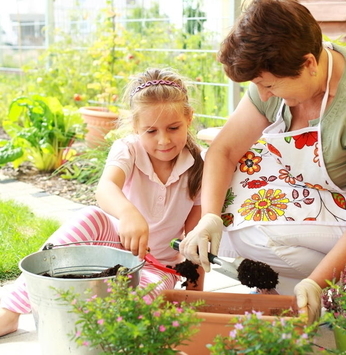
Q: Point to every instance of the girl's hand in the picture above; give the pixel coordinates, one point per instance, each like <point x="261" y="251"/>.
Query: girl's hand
<point x="134" y="232"/>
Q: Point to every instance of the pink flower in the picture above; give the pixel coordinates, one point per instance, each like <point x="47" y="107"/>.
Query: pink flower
<point x="258" y="314"/>
<point x="238" y="326"/>
<point x="162" y="328"/>
<point x="233" y="334"/>
<point x="119" y="319"/>
<point x="78" y="333"/>
<point x="74" y="302"/>
<point x="86" y="343"/>
<point x="156" y="314"/>
<point x="100" y="321"/>
<point x="147" y="299"/>
<point x="175" y="323"/>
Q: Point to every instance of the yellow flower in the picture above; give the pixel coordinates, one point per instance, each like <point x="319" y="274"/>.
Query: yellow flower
<point x="266" y="205"/>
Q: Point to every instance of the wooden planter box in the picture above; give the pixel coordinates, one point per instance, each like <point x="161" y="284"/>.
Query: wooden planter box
<point x="220" y="308"/>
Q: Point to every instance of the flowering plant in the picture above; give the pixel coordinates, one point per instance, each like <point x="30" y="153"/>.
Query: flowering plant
<point x="334" y="301"/>
<point x="131" y="321"/>
<point x="252" y="334"/>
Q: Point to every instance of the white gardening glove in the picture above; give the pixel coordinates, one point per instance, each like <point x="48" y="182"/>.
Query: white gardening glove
<point x="308" y="294"/>
<point x="195" y="245"/>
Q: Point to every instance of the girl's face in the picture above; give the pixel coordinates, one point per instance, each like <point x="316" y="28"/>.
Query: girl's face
<point x="163" y="131"/>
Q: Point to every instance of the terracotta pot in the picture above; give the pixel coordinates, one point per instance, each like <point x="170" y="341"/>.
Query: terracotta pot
<point x="220" y="308"/>
<point x="99" y="122"/>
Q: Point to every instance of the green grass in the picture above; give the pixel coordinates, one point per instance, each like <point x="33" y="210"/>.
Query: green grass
<point x="21" y="233"/>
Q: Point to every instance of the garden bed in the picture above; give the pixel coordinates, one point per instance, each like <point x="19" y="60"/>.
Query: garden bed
<point x="52" y="184"/>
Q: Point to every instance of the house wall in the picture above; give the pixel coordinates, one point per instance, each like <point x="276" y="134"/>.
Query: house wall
<point x="331" y="16"/>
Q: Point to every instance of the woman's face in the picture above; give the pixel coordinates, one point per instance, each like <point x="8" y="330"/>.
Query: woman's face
<point x="293" y="90"/>
<point x="163" y="131"/>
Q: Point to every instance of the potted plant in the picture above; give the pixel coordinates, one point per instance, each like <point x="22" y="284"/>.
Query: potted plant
<point x="334" y="303"/>
<point x="130" y="321"/>
<point x="220" y="308"/>
<point x="252" y="334"/>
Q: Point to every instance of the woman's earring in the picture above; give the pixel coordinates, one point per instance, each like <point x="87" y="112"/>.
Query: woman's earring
<point x="313" y="73"/>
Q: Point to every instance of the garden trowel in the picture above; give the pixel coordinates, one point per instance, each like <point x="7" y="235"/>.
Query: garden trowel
<point x="249" y="272"/>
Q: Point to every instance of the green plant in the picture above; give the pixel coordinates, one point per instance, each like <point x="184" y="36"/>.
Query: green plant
<point x="85" y="167"/>
<point x="22" y="233"/>
<point x="11" y="86"/>
<point x="41" y="130"/>
<point x="252" y="334"/>
<point x="334" y="301"/>
<point x="131" y="321"/>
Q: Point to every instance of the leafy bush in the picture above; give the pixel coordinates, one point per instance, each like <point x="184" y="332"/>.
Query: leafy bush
<point x="41" y="130"/>
<point x="131" y="321"/>
<point x="252" y="334"/>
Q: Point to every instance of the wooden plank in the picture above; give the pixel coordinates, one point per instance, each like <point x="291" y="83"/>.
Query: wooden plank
<point x="327" y="11"/>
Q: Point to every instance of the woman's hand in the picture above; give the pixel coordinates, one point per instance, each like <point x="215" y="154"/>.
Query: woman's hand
<point x="308" y="294"/>
<point x="195" y="245"/>
<point x="134" y="232"/>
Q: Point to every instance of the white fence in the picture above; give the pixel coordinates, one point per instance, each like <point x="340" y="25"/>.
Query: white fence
<point x="39" y="24"/>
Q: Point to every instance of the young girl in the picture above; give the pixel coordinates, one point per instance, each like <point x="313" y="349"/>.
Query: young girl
<point x="149" y="192"/>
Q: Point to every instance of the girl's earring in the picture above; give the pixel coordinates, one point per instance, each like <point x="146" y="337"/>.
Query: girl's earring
<point x="313" y="73"/>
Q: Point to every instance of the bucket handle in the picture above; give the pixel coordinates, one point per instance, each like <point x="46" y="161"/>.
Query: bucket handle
<point x="50" y="246"/>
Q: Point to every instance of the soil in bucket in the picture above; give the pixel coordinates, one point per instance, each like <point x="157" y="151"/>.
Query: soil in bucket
<point x="112" y="271"/>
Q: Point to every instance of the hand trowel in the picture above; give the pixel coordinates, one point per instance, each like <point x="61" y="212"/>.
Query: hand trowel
<point x="249" y="272"/>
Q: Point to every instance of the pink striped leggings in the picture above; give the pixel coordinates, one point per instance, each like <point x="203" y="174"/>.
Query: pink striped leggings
<point x="91" y="223"/>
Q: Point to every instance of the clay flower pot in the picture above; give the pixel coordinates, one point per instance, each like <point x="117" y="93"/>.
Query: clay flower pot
<point x="99" y="122"/>
<point x="220" y="308"/>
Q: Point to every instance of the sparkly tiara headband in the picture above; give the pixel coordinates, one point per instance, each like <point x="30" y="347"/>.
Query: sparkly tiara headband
<point x="155" y="83"/>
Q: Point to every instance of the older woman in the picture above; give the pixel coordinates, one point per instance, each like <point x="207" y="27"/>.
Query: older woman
<point x="286" y="193"/>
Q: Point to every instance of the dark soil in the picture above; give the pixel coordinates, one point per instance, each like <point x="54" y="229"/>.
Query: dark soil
<point x="112" y="271"/>
<point x="257" y="274"/>
<point x="188" y="270"/>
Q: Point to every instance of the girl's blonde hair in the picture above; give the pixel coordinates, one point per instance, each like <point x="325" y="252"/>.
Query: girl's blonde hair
<point x="157" y="86"/>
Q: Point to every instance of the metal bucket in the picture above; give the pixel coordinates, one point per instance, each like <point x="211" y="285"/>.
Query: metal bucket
<point x="53" y="320"/>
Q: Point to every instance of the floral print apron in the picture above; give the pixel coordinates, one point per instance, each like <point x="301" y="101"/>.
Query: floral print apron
<point x="282" y="179"/>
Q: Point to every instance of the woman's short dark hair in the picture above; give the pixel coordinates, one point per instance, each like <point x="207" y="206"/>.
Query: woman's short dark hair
<point x="271" y="36"/>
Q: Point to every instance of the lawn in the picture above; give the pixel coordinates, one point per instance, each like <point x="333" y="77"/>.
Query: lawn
<point x="21" y="233"/>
